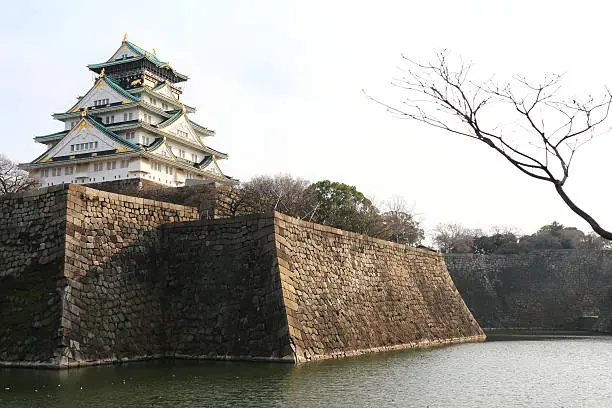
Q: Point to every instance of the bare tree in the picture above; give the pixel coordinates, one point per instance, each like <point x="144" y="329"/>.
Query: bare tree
<point x="13" y="179"/>
<point x="278" y="193"/>
<point x="454" y="238"/>
<point x="540" y="133"/>
<point x="400" y="222"/>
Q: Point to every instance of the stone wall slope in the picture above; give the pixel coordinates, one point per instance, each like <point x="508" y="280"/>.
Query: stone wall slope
<point x="551" y="289"/>
<point x="32" y="241"/>
<point x="347" y="294"/>
<point x="92" y="277"/>
<point x="227" y="300"/>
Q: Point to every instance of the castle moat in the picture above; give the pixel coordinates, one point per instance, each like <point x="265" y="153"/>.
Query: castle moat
<point x="519" y="371"/>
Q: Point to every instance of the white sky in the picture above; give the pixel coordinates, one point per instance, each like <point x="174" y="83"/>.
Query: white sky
<point x="281" y="83"/>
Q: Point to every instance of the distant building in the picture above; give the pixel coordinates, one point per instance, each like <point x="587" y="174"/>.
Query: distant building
<point x="130" y="124"/>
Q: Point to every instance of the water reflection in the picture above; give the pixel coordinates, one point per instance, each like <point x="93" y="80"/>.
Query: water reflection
<point x="561" y="372"/>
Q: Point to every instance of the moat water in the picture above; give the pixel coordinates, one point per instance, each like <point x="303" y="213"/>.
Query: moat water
<point x="570" y="371"/>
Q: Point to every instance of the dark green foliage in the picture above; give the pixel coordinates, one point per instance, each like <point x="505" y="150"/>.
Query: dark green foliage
<point x="330" y="203"/>
<point x="501" y="243"/>
<point x="452" y="238"/>
<point x="342" y="206"/>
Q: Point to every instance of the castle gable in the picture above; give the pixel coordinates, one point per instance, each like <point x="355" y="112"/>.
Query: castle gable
<point x="87" y="137"/>
<point x="104" y="92"/>
<point x="124" y="52"/>
<point x="180" y="126"/>
<point x="210" y="164"/>
<point x="165" y="90"/>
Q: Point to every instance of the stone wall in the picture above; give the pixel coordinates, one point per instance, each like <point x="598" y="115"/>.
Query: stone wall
<point x="347" y="293"/>
<point x="225" y="289"/>
<point x="209" y="198"/>
<point x="32" y="239"/>
<point x="554" y="289"/>
<point x="90" y="277"/>
<point x="114" y="299"/>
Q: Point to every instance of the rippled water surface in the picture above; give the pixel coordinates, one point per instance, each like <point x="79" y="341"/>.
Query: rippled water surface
<point x="573" y="372"/>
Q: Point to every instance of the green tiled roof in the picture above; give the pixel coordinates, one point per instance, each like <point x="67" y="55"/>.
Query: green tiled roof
<point x="115" y="85"/>
<point x="176" y="114"/>
<point x="112" y="135"/>
<point x="141" y="54"/>
<point x="215" y="152"/>
<point x="52" y="135"/>
<point x="200" y="127"/>
<point x="142" y="51"/>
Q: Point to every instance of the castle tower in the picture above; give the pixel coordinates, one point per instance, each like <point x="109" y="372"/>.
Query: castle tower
<point x="130" y="124"/>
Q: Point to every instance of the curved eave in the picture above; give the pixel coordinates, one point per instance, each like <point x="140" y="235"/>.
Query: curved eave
<point x="113" y="135"/>
<point x="98" y="67"/>
<point x="216" y="153"/>
<point x="52" y="137"/>
<point x="176" y="114"/>
<point x="111" y="108"/>
<point x="157" y="143"/>
<point x="88" y="157"/>
<point x="201" y="129"/>
<point x="185" y="166"/>
<point x="151" y="91"/>
<point x="92" y="109"/>
<point x="113" y="85"/>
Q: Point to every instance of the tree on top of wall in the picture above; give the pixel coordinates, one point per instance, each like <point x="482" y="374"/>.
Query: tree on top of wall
<point x="13" y="179"/>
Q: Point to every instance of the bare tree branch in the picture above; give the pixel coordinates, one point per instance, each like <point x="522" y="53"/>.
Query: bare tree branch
<point x="542" y="136"/>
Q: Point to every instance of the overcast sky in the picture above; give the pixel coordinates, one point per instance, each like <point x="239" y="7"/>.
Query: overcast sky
<point x="281" y="83"/>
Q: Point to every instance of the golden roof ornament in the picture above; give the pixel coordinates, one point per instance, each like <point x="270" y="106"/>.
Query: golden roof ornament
<point x="102" y="73"/>
<point x="125" y="37"/>
<point x="84" y="112"/>
<point x="154" y="52"/>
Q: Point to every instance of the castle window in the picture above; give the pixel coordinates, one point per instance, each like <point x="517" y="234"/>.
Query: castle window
<point x="98" y="166"/>
<point x="124" y="117"/>
<point x="68" y="170"/>
<point x="44" y="172"/>
<point x="72" y="148"/>
<point x="71" y="125"/>
<point x="124" y="164"/>
<point x="130" y="115"/>
<point x="56" y="171"/>
<point x="111" y="165"/>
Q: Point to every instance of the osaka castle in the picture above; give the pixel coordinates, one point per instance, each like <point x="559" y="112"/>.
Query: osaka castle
<point x="130" y="124"/>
